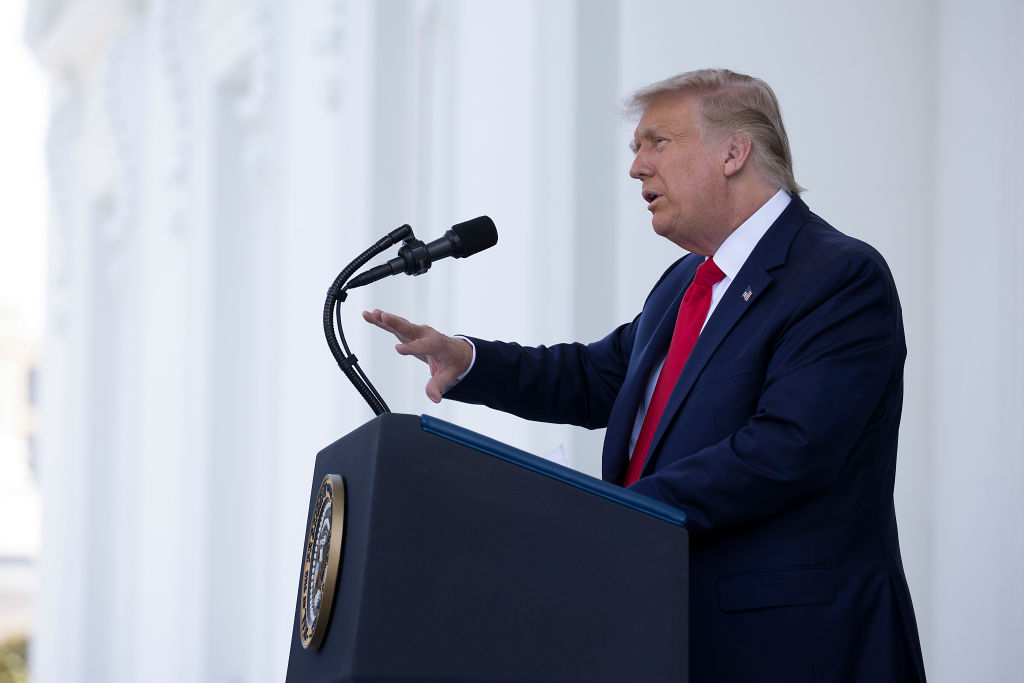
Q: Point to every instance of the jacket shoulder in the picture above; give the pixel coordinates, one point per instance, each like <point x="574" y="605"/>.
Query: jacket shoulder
<point x="819" y="235"/>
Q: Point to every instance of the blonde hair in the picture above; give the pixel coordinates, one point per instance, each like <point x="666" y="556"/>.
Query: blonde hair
<point x="729" y="102"/>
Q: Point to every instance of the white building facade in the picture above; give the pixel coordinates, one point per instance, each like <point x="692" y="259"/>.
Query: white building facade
<point x="214" y="165"/>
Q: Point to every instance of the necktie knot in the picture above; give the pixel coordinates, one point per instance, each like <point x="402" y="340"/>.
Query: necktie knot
<point x="708" y="274"/>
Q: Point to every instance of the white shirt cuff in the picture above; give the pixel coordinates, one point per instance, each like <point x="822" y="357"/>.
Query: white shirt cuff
<point x="471" y="362"/>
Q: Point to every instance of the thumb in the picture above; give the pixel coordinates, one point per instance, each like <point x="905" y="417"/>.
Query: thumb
<point x="434" y="389"/>
<point x="440" y="382"/>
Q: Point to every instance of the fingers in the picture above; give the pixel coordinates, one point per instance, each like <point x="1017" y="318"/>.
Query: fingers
<point x="447" y="357"/>
<point x="404" y="330"/>
<point x="431" y="345"/>
<point x="374" y="317"/>
<point x="421" y="341"/>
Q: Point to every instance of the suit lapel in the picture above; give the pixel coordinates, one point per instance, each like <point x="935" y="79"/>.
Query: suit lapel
<point x="729" y="310"/>
<point x="745" y="290"/>
<point x="649" y="350"/>
<point x="658" y="343"/>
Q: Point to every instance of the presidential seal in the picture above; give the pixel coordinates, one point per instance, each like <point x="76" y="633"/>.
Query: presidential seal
<point x="321" y="565"/>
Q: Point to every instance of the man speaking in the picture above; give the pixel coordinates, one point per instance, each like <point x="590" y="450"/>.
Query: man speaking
<point x="759" y="390"/>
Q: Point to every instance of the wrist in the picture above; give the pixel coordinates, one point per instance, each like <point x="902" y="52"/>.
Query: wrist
<point x="469" y="354"/>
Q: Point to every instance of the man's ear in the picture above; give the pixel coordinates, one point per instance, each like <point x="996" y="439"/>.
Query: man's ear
<point x="738" y="147"/>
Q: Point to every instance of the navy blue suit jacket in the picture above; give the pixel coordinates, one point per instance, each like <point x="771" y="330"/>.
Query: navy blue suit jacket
<point x="778" y="441"/>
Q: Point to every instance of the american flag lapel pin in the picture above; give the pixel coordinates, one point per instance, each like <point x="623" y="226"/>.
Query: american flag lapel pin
<point x="747" y="294"/>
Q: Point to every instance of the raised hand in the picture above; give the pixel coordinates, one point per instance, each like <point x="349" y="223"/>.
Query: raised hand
<point x="447" y="357"/>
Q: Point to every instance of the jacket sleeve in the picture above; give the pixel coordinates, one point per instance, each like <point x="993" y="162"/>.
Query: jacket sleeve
<point x="564" y="383"/>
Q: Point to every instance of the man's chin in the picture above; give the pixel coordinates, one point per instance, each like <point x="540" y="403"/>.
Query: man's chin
<point x="670" y="233"/>
<point x="660" y="227"/>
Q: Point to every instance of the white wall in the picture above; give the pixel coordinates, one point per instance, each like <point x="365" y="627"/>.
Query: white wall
<point x="214" y="164"/>
<point x="978" y="330"/>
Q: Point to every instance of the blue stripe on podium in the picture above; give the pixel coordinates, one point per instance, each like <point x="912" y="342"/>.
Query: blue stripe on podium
<point x="502" y="451"/>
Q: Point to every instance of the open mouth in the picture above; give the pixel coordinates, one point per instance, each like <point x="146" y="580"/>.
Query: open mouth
<point x="649" y="197"/>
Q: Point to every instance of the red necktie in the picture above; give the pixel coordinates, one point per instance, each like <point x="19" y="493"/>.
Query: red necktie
<point x="692" y="313"/>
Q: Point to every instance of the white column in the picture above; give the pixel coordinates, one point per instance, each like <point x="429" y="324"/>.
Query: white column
<point x="58" y="648"/>
<point x="978" y="335"/>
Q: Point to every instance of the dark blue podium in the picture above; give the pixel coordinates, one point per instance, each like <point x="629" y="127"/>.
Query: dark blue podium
<point x="464" y="559"/>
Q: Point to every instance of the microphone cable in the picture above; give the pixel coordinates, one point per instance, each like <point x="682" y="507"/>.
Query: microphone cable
<point x="336" y="294"/>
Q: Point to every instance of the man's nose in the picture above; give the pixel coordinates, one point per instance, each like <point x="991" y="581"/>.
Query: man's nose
<point x="640" y="168"/>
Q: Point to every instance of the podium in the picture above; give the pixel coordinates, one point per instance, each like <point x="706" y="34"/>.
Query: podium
<point x="463" y="559"/>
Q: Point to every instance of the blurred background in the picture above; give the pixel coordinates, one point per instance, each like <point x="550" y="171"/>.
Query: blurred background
<point x="183" y="180"/>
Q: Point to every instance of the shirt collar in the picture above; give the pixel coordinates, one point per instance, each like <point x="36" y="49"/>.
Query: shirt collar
<point x="734" y="251"/>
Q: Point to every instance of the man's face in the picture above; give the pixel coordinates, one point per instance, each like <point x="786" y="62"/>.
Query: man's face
<point x="683" y="178"/>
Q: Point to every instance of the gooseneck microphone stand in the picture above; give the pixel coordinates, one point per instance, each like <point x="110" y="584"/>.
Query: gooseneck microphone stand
<point x="336" y="294"/>
<point x="414" y="258"/>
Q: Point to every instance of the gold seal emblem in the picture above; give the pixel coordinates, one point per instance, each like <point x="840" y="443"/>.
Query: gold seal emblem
<point x="322" y="561"/>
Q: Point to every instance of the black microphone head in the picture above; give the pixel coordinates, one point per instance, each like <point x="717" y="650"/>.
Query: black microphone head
<point x="472" y="236"/>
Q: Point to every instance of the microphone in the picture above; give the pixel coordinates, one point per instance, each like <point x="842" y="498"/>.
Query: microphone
<point x="415" y="257"/>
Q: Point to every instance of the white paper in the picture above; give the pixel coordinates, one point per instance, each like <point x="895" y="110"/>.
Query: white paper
<point x="557" y="456"/>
